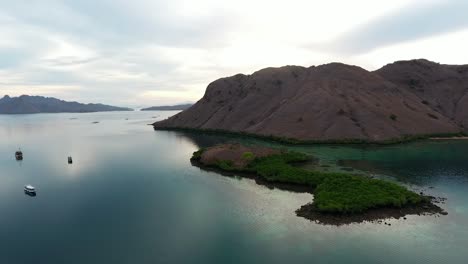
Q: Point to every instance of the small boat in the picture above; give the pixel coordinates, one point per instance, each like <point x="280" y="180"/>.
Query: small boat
<point x="19" y="155"/>
<point x="29" y="189"/>
<point x="70" y="160"/>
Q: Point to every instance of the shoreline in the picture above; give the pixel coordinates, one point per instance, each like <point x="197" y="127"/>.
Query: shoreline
<point x="375" y="215"/>
<point x="449" y="138"/>
<point x="296" y="188"/>
<point x="292" y="141"/>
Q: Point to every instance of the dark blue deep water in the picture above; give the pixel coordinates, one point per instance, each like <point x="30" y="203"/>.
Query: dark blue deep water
<point x="132" y="196"/>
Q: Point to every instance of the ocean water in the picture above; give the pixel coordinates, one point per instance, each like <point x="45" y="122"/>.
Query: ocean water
<point x="132" y="196"/>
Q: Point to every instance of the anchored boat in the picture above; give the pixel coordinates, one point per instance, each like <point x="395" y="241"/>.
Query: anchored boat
<point x="30" y="190"/>
<point x="19" y="155"/>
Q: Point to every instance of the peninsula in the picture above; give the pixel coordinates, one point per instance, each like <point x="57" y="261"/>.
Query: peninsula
<point x="339" y="198"/>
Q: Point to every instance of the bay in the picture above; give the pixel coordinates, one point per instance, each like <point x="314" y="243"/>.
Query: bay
<point x="132" y="196"/>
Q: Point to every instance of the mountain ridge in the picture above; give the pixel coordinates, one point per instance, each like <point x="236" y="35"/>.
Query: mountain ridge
<point x="333" y="101"/>
<point x="26" y="104"/>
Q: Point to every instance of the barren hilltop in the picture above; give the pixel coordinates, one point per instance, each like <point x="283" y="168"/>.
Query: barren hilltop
<point x="335" y="102"/>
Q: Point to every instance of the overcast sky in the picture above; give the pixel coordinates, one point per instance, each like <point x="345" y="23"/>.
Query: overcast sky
<point x="154" y="52"/>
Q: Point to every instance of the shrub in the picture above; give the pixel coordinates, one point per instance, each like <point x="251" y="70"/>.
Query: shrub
<point x="335" y="192"/>
<point x="393" y="117"/>
<point x="355" y="194"/>
<point x="225" y="165"/>
<point x="197" y="154"/>
<point x="248" y="156"/>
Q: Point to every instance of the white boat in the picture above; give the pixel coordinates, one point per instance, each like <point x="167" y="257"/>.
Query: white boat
<point x="29" y="189"/>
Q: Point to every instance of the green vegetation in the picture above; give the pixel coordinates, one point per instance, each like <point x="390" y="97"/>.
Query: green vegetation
<point x="393" y="117"/>
<point x="225" y="165"/>
<point x="292" y="141"/>
<point x="334" y="192"/>
<point x="354" y="194"/>
<point x="249" y="156"/>
<point x="197" y="154"/>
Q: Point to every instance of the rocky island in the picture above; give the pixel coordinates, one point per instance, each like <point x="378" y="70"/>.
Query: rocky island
<point x="336" y="103"/>
<point x="339" y="198"/>
<point x="26" y="104"/>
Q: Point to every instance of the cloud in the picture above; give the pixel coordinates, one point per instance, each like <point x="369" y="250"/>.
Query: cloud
<point x="108" y="48"/>
<point x="429" y="48"/>
<point x="149" y="52"/>
<point x="121" y="23"/>
<point x="416" y="21"/>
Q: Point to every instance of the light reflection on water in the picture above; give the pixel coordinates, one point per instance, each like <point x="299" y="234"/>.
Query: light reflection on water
<point x="132" y="196"/>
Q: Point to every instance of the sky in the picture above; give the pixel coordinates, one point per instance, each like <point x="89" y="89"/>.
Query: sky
<point x="141" y="53"/>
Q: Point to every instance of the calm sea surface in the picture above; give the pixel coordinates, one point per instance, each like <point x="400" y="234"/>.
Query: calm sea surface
<point x="132" y="196"/>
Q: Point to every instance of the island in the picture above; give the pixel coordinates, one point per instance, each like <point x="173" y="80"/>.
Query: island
<point x="168" y="107"/>
<point x="339" y="198"/>
<point x="26" y="104"/>
<point x="335" y="103"/>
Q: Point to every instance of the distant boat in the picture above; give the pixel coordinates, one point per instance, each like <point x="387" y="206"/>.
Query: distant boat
<point x="30" y="190"/>
<point x="19" y="155"/>
<point x="70" y="160"/>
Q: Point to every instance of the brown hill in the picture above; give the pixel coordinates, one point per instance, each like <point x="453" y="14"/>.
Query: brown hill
<point x="444" y="88"/>
<point x="333" y="102"/>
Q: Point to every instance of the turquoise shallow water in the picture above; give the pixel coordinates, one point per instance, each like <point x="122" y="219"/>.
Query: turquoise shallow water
<point x="132" y="196"/>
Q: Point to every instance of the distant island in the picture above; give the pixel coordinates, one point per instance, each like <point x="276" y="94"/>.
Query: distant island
<point x="335" y="103"/>
<point x="26" y="104"/>
<point x="168" y="107"/>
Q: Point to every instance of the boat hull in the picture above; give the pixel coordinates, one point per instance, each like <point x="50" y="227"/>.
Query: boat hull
<point x="30" y="193"/>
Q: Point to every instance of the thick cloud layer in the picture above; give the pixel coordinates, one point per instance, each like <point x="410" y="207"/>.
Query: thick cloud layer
<point x="150" y="52"/>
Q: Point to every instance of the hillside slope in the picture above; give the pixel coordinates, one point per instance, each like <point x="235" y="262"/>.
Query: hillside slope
<point x="444" y="88"/>
<point x="329" y="102"/>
